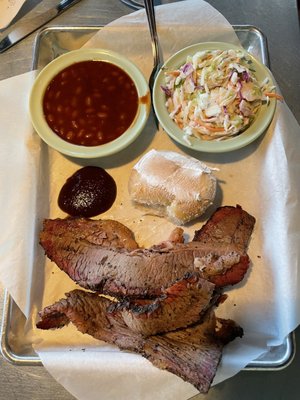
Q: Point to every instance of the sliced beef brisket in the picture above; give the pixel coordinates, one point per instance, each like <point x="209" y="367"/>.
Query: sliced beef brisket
<point x="141" y="272"/>
<point x="192" y="353"/>
<point x="167" y="291"/>
<point x="88" y="232"/>
<point x="104" y="257"/>
<point x="179" y="306"/>
<point x="231" y="225"/>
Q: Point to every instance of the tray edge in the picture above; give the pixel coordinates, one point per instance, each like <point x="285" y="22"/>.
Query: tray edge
<point x="7" y="352"/>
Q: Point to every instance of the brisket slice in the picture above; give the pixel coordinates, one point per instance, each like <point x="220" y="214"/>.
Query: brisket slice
<point x="228" y="224"/>
<point x="97" y="233"/>
<point x="105" y="263"/>
<point x="192" y="353"/>
<point x="179" y="306"/>
<point x="139" y="273"/>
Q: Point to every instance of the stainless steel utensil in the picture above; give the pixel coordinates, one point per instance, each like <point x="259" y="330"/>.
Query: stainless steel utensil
<point x="156" y="50"/>
<point x="25" y="29"/>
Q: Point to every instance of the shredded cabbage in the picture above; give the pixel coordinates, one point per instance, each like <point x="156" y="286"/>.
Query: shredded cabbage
<point x="214" y="95"/>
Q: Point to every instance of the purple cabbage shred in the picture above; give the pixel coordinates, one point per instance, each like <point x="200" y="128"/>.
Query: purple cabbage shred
<point x="245" y="76"/>
<point x="166" y="90"/>
<point x="187" y="69"/>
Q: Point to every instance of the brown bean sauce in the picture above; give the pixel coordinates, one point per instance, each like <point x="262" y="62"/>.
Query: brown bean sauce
<point x="88" y="192"/>
<point x="90" y="103"/>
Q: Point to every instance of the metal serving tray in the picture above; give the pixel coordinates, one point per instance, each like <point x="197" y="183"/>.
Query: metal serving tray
<point x="50" y="43"/>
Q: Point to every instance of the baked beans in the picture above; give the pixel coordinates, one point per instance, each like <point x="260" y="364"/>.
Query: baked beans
<point x="90" y="103"/>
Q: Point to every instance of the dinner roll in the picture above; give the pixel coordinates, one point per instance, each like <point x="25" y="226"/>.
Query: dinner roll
<point x="172" y="185"/>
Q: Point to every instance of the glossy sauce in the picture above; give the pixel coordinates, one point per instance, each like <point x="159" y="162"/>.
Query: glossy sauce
<point x="88" y="192"/>
<point x="90" y="103"/>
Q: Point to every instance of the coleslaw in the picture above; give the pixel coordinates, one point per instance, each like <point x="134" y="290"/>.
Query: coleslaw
<point x="215" y="95"/>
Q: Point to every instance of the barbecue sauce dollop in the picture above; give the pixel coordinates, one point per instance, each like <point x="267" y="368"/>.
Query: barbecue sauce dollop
<point x="88" y="192"/>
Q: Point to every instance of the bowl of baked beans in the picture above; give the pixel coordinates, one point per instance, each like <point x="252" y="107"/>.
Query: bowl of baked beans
<point x="89" y="103"/>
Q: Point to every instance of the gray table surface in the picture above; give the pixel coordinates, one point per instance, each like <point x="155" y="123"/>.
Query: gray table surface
<point x="279" y="20"/>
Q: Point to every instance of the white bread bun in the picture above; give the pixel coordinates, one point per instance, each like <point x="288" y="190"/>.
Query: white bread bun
<point x="173" y="185"/>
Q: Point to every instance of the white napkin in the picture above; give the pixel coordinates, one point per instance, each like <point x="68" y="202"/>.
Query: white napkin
<point x="262" y="177"/>
<point x="8" y="11"/>
<point x="20" y="181"/>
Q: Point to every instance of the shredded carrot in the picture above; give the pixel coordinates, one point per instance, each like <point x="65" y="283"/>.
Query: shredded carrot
<point x="173" y="73"/>
<point x="195" y="76"/>
<point x="274" y="95"/>
<point x="209" y="126"/>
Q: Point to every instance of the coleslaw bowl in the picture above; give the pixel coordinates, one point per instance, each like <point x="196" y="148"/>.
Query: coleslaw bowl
<point x="257" y="127"/>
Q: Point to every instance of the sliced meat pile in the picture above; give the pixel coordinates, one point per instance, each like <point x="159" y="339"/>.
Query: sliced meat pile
<point x="164" y="295"/>
<point x="182" y="304"/>
<point x="192" y="353"/>
<point x="120" y="271"/>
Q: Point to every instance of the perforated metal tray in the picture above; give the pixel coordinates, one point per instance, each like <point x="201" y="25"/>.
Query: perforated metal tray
<point x="50" y="43"/>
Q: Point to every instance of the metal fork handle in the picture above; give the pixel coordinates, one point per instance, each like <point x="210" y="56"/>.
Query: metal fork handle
<point x="149" y="6"/>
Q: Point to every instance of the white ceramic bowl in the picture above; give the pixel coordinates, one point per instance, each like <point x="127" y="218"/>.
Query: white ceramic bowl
<point x="53" y="68"/>
<point x="257" y="127"/>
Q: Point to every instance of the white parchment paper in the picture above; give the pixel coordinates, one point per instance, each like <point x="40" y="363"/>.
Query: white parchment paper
<point x="8" y="11"/>
<point x="262" y="177"/>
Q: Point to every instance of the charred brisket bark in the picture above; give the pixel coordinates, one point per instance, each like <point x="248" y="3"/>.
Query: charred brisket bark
<point x="179" y="306"/>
